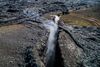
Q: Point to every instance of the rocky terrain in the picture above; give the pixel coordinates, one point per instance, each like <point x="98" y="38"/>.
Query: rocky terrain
<point x="23" y="38"/>
<point x="88" y="46"/>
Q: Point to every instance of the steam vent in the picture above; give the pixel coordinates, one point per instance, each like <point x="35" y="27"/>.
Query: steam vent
<point x="49" y="33"/>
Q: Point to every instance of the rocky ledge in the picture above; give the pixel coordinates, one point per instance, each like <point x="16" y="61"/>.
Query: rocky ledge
<point x="23" y="45"/>
<point x="85" y="48"/>
<point x="23" y="39"/>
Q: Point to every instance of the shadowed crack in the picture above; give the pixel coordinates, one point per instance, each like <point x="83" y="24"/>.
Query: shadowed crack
<point x="59" y="62"/>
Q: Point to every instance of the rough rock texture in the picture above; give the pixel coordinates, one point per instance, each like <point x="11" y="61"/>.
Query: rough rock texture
<point x="71" y="53"/>
<point x="62" y="5"/>
<point x="24" y="45"/>
<point x="19" y="45"/>
<point x="88" y="39"/>
<point x="84" y="52"/>
<point x="15" y="8"/>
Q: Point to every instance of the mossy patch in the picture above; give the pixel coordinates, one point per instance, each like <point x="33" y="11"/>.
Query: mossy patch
<point x="88" y="17"/>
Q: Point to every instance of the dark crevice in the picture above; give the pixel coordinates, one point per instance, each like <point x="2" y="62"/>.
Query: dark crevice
<point x="12" y="10"/>
<point x="29" y="60"/>
<point x="58" y="58"/>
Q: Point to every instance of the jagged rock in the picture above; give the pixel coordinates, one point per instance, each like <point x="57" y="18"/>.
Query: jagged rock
<point x="20" y="43"/>
<point x="85" y="49"/>
<point x="71" y="53"/>
<point x="26" y="42"/>
<point x="88" y="39"/>
<point x="24" y="45"/>
<point x="48" y="5"/>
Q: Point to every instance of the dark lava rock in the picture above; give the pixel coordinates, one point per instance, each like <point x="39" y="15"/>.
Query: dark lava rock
<point x="24" y="45"/>
<point x="70" y="52"/>
<point x="19" y="45"/>
<point x="87" y="50"/>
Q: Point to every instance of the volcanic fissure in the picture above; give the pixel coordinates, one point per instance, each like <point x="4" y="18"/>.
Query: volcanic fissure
<point x="53" y="53"/>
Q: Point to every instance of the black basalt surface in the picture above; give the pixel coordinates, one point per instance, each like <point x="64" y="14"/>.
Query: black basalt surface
<point x="89" y="40"/>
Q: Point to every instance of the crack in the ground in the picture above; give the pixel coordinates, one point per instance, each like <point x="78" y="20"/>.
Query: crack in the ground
<point x="59" y="62"/>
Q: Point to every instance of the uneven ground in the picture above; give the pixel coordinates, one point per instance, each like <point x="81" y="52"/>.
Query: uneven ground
<point x="87" y="17"/>
<point x="18" y="41"/>
<point x="15" y="41"/>
<point x="24" y="44"/>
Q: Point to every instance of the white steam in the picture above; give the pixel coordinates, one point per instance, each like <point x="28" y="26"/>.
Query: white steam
<point x="51" y="25"/>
